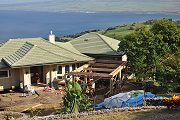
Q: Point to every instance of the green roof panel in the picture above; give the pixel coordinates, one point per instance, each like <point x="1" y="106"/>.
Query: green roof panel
<point x="94" y="43"/>
<point x="36" y="51"/>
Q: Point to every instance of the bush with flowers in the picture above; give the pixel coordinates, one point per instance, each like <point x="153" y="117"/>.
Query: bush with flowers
<point x="172" y="101"/>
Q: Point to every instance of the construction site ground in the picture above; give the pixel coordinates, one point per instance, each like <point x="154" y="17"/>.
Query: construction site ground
<point x="14" y="101"/>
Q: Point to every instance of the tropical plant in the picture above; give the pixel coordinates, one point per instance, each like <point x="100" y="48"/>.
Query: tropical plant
<point x="75" y="99"/>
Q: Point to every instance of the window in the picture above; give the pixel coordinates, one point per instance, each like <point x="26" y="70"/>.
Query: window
<point x="59" y="70"/>
<point x="60" y="77"/>
<point x="78" y="65"/>
<point x="73" y="66"/>
<point x="4" y="74"/>
<point x="66" y="68"/>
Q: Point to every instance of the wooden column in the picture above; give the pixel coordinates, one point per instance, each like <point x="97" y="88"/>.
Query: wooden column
<point x="111" y="86"/>
<point x="85" y="78"/>
<point x="120" y="75"/>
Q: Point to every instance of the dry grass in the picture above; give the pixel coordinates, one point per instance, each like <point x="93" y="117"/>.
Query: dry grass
<point x="137" y="115"/>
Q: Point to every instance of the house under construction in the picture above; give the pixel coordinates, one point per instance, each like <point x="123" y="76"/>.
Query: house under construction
<point x="31" y="61"/>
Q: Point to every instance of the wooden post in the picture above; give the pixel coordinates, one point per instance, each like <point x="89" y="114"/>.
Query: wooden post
<point x="120" y="76"/>
<point x="85" y="78"/>
<point x="111" y="86"/>
<point x="120" y="82"/>
<point x="65" y="79"/>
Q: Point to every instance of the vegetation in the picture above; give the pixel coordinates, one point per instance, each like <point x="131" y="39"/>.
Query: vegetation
<point x="153" y="49"/>
<point x="75" y="99"/>
<point x="154" y="52"/>
<point x="70" y="37"/>
<point x="117" y="32"/>
<point x="172" y="102"/>
<point x="134" y="115"/>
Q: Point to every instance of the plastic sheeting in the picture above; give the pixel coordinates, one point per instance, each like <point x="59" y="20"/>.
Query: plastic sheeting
<point x="119" y="99"/>
<point x="125" y="99"/>
<point x="116" y="100"/>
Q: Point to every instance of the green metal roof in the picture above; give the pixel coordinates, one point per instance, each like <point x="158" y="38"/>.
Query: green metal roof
<point x="94" y="43"/>
<point x="69" y="46"/>
<point x="1" y="44"/>
<point x="36" y="51"/>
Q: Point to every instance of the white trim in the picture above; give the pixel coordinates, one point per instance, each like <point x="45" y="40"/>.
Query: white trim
<point x="7" y="73"/>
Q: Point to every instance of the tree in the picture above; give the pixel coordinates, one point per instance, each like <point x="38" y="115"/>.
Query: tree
<point x="153" y="52"/>
<point x="139" y="48"/>
<point x="168" y="32"/>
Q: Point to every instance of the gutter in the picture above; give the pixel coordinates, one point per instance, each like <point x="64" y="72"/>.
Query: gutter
<point x="55" y="63"/>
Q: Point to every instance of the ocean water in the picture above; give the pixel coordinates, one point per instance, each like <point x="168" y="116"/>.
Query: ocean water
<point x="23" y="24"/>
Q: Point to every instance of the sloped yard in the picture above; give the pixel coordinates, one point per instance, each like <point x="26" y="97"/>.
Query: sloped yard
<point x="141" y="115"/>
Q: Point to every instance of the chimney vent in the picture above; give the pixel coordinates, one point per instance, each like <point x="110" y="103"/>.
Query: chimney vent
<point x="52" y="37"/>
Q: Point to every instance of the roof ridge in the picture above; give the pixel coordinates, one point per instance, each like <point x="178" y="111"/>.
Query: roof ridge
<point x="105" y="42"/>
<point x="26" y="38"/>
<point x="53" y="53"/>
<point x="67" y="49"/>
<point x="5" y="43"/>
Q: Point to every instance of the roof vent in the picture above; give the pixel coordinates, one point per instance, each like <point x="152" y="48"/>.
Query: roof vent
<point x="85" y="39"/>
<point x="52" y="37"/>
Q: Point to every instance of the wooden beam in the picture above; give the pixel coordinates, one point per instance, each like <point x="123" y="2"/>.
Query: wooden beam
<point x="81" y="68"/>
<point x="99" y="69"/>
<point x="92" y="62"/>
<point x="109" y="61"/>
<point x="90" y="74"/>
<point x="117" y="70"/>
<point x="105" y="65"/>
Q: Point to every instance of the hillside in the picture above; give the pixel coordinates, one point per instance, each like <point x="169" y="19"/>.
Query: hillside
<point x="92" y="5"/>
<point x="117" y="32"/>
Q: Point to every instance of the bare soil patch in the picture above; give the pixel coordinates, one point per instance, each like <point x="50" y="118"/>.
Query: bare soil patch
<point x="15" y="102"/>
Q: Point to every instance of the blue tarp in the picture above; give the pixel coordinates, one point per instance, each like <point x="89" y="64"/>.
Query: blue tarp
<point x="138" y="100"/>
<point x="133" y="101"/>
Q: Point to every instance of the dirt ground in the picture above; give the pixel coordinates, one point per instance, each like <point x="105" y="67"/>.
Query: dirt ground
<point x="14" y="101"/>
<point x="139" y="115"/>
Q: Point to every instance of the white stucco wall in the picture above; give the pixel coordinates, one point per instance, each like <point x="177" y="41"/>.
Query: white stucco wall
<point x="22" y="75"/>
<point x="12" y="81"/>
<point x="53" y="72"/>
<point x="25" y="76"/>
<point x="46" y="74"/>
<point x="124" y="58"/>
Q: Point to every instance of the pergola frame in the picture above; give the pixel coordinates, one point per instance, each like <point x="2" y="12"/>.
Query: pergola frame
<point x="110" y="69"/>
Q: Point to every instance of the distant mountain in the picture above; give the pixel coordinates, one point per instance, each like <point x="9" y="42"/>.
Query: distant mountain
<point x="92" y="5"/>
<point x="20" y="1"/>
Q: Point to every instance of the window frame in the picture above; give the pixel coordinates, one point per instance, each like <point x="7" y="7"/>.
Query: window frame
<point x="69" y="66"/>
<point x="58" y="69"/>
<point x="74" y="67"/>
<point x="62" y="72"/>
<point x="7" y="74"/>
